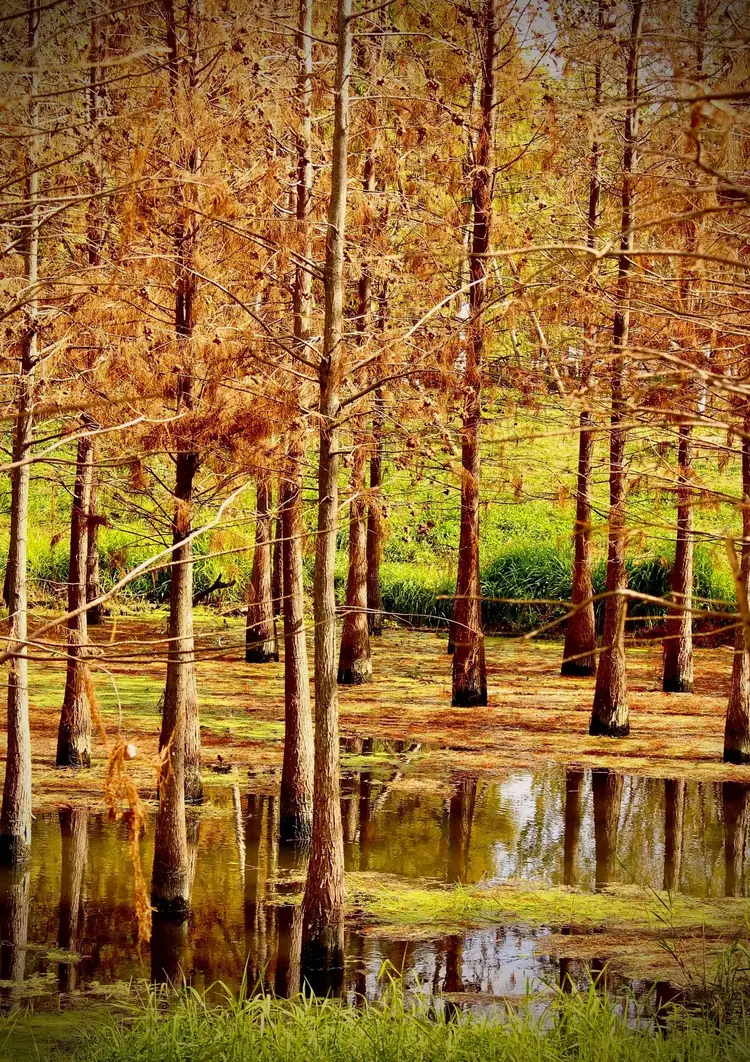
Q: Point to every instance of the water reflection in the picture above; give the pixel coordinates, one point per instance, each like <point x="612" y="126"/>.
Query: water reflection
<point x="574" y="826"/>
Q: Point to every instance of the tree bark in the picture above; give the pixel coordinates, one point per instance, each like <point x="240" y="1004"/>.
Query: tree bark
<point x="260" y="633"/>
<point x="74" y="731"/>
<point x="610" y="715"/>
<point x="606" y="787"/>
<point x="15" y="815"/>
<point x="579" y="652"/>
<point x="674" y="820"/>
<point x="572" y="835"/>
<point x="93" y="584"/>
<point x="277" y="577"/>
<point x="737" y="724"/>
<point x="469" y="667"/>
<point x="170" y="881"/>
<point x="323" y="900"/>
<point x="678" y="644"/>
<point x="375" y="521"/>
<point x="355" y="663"/>
<point x="74" y="835"/>
<point x="296" y="810"/>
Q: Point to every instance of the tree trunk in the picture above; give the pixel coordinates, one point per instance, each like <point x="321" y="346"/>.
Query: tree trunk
<point x="375" y="522"/>
<point x="469" y="668"/>
<point x="735" y="809"/>
<point x="277" y="578"/>
<point x="260" y="632"/>
<point x="297" y="772"/>
<point x="610" y="716"/>
<point x="74" y="835"/>
<point x="355" y="664"/>
<point x="323" y="901"/>
<point x="15" y="816"/>
<point x="579" y="652"/>
<point x="678" y="644"/>
<point x="74" y="732"/>
<point x="170" y="892"/>
<point x="93" y="584"/>
<point x="674" y="819"/>
<point x="606" y="787"/>
<point x="15" y="897"/>
<point x="737" y="724"/>
<point x="572" y="835"/>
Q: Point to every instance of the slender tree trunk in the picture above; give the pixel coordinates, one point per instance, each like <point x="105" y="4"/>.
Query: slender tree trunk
<point x="93" y="584"/>
<point x="610" y="716"/>
<point x="674" y="820"/>
<point x="297" y="772"/>
<point x="15" y="816"/>
<point x="74" y="732"/>
<point x="572" y="836"/>
<point x="469" y="668"/>
<point x="678" y="644"/>
<point x="375" y="522"/>
<point x="606" y="787"/>
<point x="323" y="901"/>
<point x="355" y="664"/>
<point x="737" y="724"/>
<point x="260" y="633"/>
<point x="277" y="578"/>
<point x="170" y="893"/>
<point x="74" y="835"/>
<point x="579" y="652"/>
<point x="735" y="810"/>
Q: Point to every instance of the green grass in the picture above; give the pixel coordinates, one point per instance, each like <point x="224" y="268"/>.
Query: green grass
<point x="579" y="1028"/>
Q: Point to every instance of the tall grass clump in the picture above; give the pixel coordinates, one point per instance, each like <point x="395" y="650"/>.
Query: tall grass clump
<point x="576" y="1028"/>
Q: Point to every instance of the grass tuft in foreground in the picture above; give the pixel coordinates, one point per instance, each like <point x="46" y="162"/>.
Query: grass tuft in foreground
<point x="584" y="1028"/>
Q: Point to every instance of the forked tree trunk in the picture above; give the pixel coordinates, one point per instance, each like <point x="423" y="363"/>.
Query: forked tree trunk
<point x="93" y="582"/>
<point x="737" y="724"/>
<point x="469" y="667"/>
<point x="15" y="816"/>
<point x="260" y="631"/>
<point x="74" y="731"/>
<point x="74" y="835"/>
<point x="606" y="787"/>
<point x="355" y="664"/>
<point x="579" y="652"/>
<point x="674" y="820"/>
<point x="678" y="644"/>
<point x="610" y="715"/>
<point x="170" y="892"/>
<point x="296" y="812"/>
<point x="323" y="900"/>
<point x="572" y="834"/>
<point x="735" y="810"/>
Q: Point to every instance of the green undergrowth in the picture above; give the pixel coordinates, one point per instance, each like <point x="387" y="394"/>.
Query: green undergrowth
<point x="389" y="900"/>
<point x="583" y="1027"/>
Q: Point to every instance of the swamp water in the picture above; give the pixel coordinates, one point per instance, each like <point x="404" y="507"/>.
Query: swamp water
<point x="67" y="923"/>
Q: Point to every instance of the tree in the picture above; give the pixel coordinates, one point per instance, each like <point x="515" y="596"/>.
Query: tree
<point x="323" y="900"/>
<point x="737" y="723"/>
<point x="609" y="716"/>
<point x="469" y="667"/>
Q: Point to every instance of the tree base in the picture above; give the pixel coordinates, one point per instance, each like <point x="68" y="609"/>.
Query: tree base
<point x="352" y="676"/>
<point x="322" y="962"/>
<point x="736" y="756"/>
<point x="295" y="829"/>
<point x="70" y="759"/>
<point x="677" y="685"/>
<point x="260" y="656"/>
<point x="469" y="698"/>
<point x="578" y="669"/>
<point x="14" y="852"/>
<point x="600" y="729"/>
<point x="174" y="910"/>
